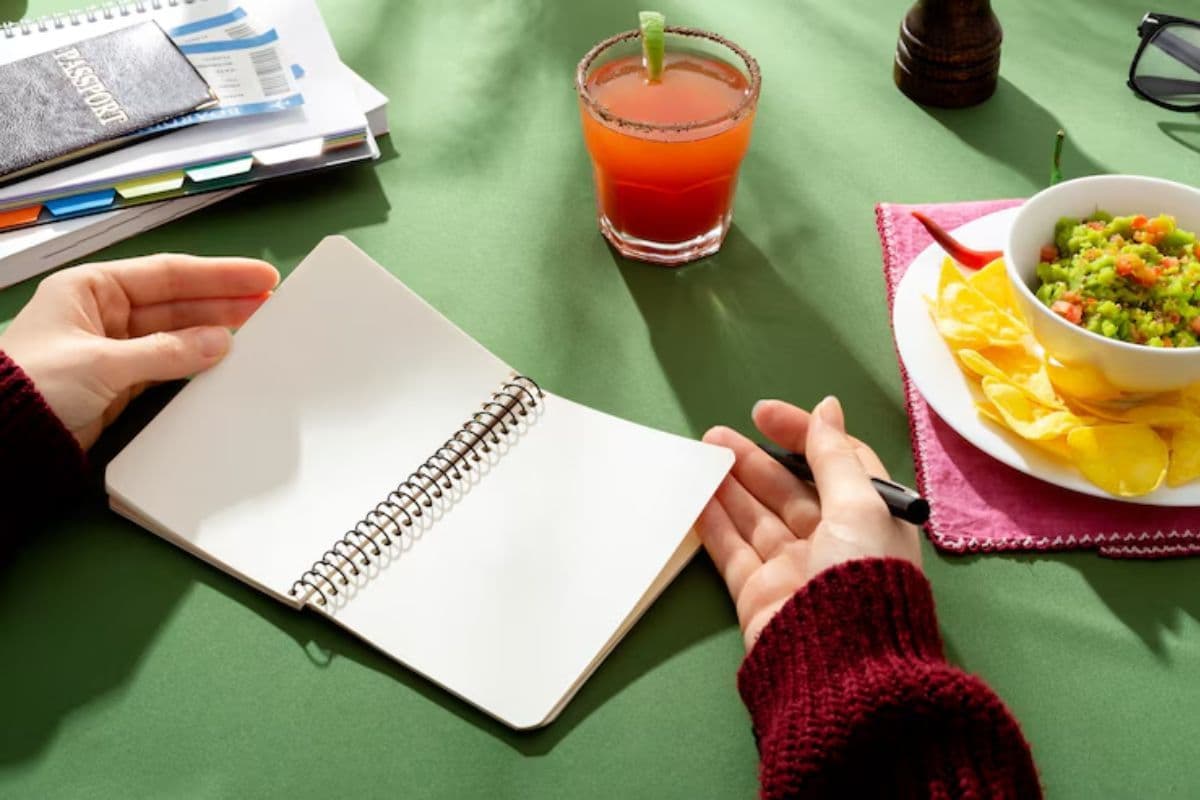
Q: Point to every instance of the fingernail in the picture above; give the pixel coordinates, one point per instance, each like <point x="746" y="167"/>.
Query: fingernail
<point x="816" y="421"/>
<point x="212" y="342"/>
<point x="829" y="412"/>
<point x="754" y="409"/>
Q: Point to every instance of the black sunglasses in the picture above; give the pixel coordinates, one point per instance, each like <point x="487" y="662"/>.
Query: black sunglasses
<point x="1166" y="67"/>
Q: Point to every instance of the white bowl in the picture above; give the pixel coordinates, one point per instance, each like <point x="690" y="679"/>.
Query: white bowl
<point x="1132" y="367"/>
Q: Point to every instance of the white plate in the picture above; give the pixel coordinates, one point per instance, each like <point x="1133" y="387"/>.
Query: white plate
<point x="952" y="396"/>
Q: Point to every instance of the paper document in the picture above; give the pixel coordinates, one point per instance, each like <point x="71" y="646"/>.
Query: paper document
<point x="244" y="63"/>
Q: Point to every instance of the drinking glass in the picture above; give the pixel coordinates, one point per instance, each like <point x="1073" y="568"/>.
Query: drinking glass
<point x="666" y="154"/>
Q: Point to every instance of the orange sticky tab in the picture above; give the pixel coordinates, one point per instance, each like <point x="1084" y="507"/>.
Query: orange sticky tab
<point x="19" y="216"/>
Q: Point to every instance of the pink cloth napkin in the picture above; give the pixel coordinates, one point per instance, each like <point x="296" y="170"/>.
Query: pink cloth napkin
<point x="979" y="504"/>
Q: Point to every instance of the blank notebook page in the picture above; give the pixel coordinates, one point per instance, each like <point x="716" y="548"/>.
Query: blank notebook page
<point x="508" y="597"/>
<point x="337" y="390"/>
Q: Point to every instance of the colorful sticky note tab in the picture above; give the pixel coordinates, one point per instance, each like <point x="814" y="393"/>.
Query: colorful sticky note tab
<point x="19" y="216"/>
<point x="220" y="169"/>
<point x="309" y="148"/>
<point x="151" y="184"/>
<point x="339" y="142"/>
<point x="81" y="203"/>
<point x="153" y="198"/>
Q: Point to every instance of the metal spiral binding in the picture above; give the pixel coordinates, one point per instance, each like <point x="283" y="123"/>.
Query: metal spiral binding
<point x="108" y="10"/>
<point x="365" y="540"/>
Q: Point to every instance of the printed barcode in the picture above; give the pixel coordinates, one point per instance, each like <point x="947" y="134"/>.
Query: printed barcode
<point x="270" y="72"/>
<point x="240" y="30"/>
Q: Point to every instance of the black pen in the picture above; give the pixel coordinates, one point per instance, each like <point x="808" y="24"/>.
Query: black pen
<point x="902" y="501"/>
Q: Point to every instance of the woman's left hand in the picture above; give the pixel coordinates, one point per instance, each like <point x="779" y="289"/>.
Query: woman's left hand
<point x="770" y="533"/>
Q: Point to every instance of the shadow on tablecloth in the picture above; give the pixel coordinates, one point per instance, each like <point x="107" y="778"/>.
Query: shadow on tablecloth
<point x="11" y="10"/>
<point x="1015" y="130"/>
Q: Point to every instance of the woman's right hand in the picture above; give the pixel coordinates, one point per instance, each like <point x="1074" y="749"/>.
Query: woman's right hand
<point x="769" y="533"/>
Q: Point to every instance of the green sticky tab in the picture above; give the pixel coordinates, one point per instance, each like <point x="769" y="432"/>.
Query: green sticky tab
<point x="652" y="24"/>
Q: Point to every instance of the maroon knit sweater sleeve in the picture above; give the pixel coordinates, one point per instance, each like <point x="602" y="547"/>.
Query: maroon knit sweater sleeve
<point x="41" y="463"/>
<point x="850" y="696"/>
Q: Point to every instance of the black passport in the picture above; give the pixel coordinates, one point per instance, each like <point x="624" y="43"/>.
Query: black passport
<point x="95" y="94"/>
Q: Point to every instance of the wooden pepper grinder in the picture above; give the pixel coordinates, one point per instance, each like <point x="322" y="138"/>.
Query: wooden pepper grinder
<point x="949" y="52"/>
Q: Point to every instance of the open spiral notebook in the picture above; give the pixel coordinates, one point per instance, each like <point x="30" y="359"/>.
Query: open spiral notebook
<point x="326" y="461"/>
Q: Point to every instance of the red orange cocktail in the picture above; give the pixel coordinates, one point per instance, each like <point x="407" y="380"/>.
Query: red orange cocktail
<point x="665" y="153"/>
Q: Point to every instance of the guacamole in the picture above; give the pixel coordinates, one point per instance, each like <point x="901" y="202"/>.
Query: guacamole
<point x="1133" y="278"/>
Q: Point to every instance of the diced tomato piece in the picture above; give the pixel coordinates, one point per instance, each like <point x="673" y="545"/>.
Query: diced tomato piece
<point x="1131" y="265"/>
<point x="1195" y="324"/>
<point x="1049" y="253"/>
<point x="1139" y="221"/>
<point x="1169" y="262"/>
<point x="1068" y="311"/>
<point x="1096" y="226"/>
<point x="1166" y="342"/>
<point x="1146" y="275"/>
<point x="1072" y="297"/>
<point x="1151" y="232"/>
<point x="1196" y="250"/>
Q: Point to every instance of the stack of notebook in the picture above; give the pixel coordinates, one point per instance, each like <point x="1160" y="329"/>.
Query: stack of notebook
<point x="250" y="90"/>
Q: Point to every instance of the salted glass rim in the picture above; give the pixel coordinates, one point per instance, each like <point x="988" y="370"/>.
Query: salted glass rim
<point x="602" y="111"/>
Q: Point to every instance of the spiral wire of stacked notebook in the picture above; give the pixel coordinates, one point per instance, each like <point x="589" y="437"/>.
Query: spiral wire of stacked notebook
<point x="139" y="101"/>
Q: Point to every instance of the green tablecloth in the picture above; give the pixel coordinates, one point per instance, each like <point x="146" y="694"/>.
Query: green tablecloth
<point x="131" y="669"/>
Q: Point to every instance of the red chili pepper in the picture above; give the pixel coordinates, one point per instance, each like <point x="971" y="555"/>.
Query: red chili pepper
<point x="971" y="259"/>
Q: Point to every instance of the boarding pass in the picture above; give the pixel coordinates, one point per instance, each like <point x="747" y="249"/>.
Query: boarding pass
<point x="244" y="65"/>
